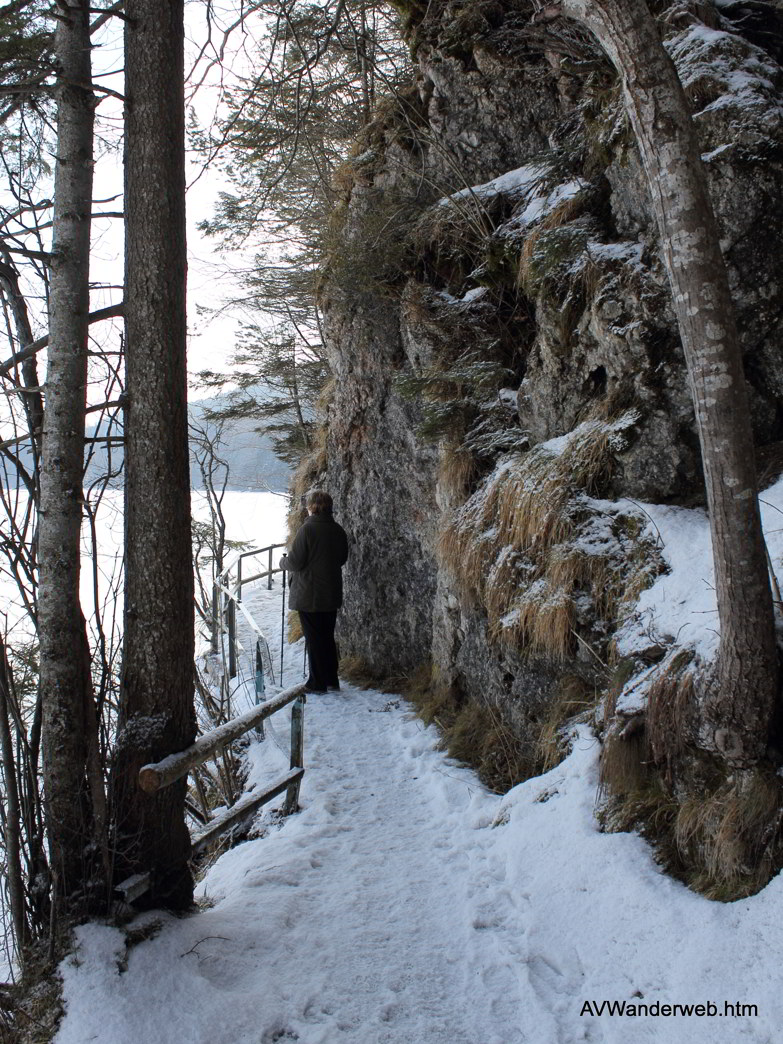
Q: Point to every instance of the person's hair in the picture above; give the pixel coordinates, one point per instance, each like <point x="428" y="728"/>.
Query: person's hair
<point x="320" y="503"/>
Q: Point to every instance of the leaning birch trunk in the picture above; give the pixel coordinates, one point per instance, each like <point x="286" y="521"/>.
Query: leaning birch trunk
<point x="735" y="711"/>
<point x="32" y="398"/>
<point x="64" y="675"/>
<point x="157" y="716"/>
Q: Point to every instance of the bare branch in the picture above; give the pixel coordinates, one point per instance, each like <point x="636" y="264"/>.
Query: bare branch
<point x="110" y="312"/>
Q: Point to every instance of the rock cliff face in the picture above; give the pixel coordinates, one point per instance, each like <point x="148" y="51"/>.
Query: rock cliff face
<point x="504" y="352"/>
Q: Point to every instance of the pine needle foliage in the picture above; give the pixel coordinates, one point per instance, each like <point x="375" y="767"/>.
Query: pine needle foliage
<point x="26" y="44"/>
<point x="285" y="129"/>
<point x="451" y="395"/>
<point x="278" y="380"/>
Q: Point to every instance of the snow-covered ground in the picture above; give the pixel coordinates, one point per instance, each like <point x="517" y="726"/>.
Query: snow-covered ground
<point x="407" y="905"/>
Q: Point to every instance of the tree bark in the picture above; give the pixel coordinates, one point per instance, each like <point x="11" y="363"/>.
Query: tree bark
<point x="157" y="716"/>
<point x="65" y="675"/>
<point x="735" y="713"/>
<point x="13" y="818"/>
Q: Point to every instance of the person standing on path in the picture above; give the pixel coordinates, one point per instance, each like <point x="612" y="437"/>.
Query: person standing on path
<point x="315" y="562"/>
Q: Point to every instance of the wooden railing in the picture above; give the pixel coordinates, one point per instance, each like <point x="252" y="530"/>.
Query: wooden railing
<point x="155" y="776"/>
<point x="231" y="591"/>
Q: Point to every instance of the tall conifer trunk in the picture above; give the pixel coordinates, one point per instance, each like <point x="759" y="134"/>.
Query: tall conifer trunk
<point x="68" y="706"/>
<point x="156" y="712"/>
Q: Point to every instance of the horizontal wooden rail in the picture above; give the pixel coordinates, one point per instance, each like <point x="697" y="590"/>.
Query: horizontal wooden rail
<point x="243" y="808"/>
<point x="132" y="887"/>
<point x="236" y="559"/>
<point x="259" y="576"/>
<point x="154" y="777"/>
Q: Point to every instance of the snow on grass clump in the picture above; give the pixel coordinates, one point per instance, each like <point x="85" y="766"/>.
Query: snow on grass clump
<point x="721" y="70"/>
<point x="530" y="185"/>
<point x="517" y="182"/>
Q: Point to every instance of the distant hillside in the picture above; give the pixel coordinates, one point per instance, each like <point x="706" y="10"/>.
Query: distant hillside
<point x="252" y="464"/>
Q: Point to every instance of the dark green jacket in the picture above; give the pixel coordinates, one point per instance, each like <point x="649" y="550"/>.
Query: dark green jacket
<point x="315" y="561"/>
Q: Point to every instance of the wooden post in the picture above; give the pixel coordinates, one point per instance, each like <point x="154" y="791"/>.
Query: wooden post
<point x="232" y="638"/>
<point x="269" y="581"/>
<point x="213" y="639"/>
<point x="134" y="886"/>
<point x="297" y="753"/>
<point x="239" y="579"/>
<point x="259" y="686"/>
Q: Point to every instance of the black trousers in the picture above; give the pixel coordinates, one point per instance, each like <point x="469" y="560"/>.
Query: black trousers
<point x="318" y="629"/>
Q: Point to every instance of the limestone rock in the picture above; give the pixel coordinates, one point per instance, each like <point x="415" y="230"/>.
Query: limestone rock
<point x="499" y="216"/>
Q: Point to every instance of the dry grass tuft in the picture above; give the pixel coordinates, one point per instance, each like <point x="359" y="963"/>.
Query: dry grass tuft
<point x="732" y="837"/>
<point x="719" y="834"/>
<point x="356" y="670"/>
<point x="307" y="476"/>
<point x="575" y="700"/>
<point x="626" y="767"/>
<point x="454" y="227"/>
<point x="651" y="809"/>
<point x="294" y="627"/>
<point x="725" y="844"/>
<point x="325" y="398"/>
<point x="523" y="545"/>
<point x="543" y="618"/>
<point x="668" y="699"/>
<point x="477" y="734"/>
<point x="457" y="469"/>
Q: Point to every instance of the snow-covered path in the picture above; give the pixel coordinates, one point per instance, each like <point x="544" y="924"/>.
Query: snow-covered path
<point x="363" y="919"/>
<point x="405" y="904"/>
<point x="378" y="927"/>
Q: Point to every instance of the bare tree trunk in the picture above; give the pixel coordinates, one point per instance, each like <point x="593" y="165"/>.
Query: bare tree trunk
<point x="33" y="400"/>
<point x="13" y="822"/>
<point x="156" y="712"/>
<point x="736" y="711"/>
<point x="294" y="391"/>
<point x="65" y="678"/>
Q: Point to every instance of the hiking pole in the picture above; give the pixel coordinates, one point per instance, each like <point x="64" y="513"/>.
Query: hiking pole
<point x="282" y="633"/>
